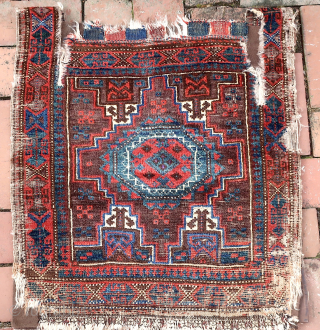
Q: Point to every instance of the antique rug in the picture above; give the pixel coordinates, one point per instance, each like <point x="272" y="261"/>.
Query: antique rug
<point x="155" y="173"/>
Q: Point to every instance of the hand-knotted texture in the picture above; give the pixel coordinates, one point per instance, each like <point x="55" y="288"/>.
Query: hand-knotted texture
<point x="155" y="177"/>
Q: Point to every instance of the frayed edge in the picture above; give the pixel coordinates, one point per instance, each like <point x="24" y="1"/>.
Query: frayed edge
<point x="182" y="25"/>
<point x="258" y="72"/>
<point x="63" y="60"/>
<point x="120" y="322"/>
<point x="134" y="24"/>
<point x="76" y="31"/>
<point x="290" y="139"/>
<point x="20" y="294"/>
<point x="18" y="142"/>
<point x="63" y="53"/>
<point x="20" y="283"/>
<point x="178" y="29"/>
<point x="291" y="142"/>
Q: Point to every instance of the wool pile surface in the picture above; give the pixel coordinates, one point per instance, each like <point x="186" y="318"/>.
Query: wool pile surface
<point x="155" y="174"/>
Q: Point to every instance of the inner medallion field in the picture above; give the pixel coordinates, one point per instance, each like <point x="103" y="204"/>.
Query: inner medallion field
<point x="166" y="183"/>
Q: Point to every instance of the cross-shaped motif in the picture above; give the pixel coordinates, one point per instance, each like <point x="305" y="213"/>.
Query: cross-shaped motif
<point x="234" y="127"/>
<point x="233" y="195"/>
<point x="235" y="215"/>
<point x="40" y="44"/>
<point x="161" y="217"/>
<point x="81" y="132"/>
<point x="37" y="146"/>
<point x="84" y="212"/>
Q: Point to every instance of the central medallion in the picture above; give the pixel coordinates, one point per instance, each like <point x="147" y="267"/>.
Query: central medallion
<point x="161" y="162"/>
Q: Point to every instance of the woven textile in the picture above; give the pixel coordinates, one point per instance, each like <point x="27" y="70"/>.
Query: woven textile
<point x="155" y="174"/>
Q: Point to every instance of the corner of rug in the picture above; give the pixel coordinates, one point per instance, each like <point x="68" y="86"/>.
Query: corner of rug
<point x="21" y="299"/>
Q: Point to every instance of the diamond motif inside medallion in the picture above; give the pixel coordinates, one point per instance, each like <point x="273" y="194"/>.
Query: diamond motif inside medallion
<point x="162" y="162"/>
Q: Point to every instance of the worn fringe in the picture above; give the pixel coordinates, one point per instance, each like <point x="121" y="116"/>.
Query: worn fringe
<point x="291" y="141"/>
<point x="64" y="58"/>
<point x="178" y="29"/>
<point x="270" y="322"/>
<point x="17" y="144"/>
<point x="258" y="72"/>
<point x="291" y="137"/>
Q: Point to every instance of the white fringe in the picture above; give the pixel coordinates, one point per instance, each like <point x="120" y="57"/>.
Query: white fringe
<point x="183" y="22"/>
<point x="113" y="28"/>
<point x="160" y="23"/>
<point x="291" y="137"/>
<point x="63" y="60"/>
<point x="135" y="25"/>
<point x="63" y="53"/>
<point x="175" y="30"/>
<point x="76" y="31"/>
<point x="20" y="282"/>
<point x="271" y="322"/>
<point x="291" y="141"/>
<point x="258" y="72"/>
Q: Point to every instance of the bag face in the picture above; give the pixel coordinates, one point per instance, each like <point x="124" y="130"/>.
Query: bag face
<point x="154" y="177"/>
